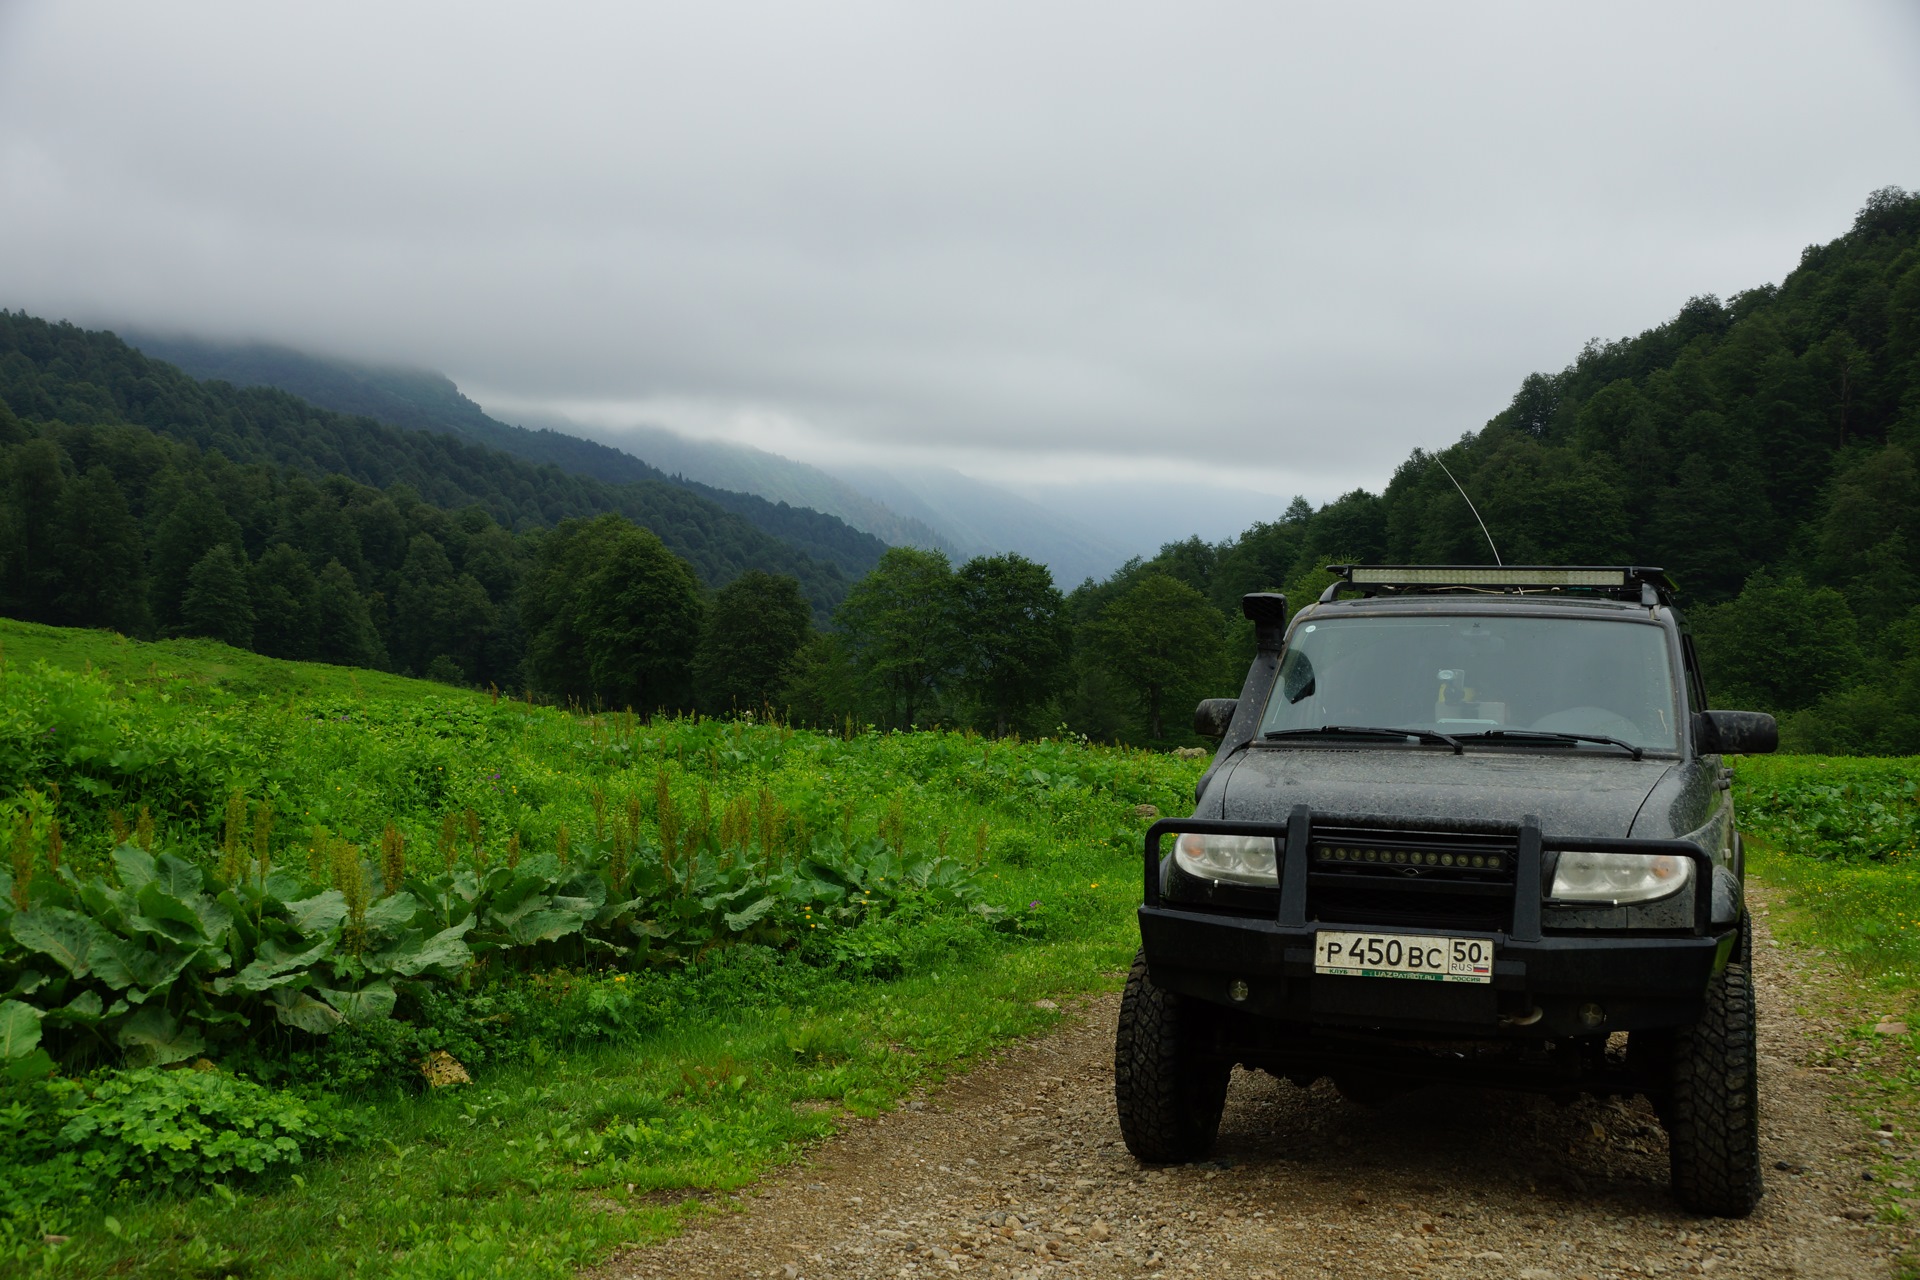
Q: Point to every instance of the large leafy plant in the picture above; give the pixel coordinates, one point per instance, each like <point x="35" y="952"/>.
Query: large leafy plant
<point x="163" y="961"/>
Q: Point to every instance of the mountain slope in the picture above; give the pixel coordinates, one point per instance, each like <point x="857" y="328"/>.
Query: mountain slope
<point x="59" y="372"/>
<point x="927" y="507"/>
<point x="982" y="519"/>
<point x="425" y="401"/>
<point x="744" y="469"/>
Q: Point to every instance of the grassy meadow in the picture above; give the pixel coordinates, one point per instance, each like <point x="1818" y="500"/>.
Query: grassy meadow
<point x="246" y="900"/>
<point x="669" y="954"/>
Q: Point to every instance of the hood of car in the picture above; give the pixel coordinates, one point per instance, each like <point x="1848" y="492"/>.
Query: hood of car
<point x="1574" y="792"/>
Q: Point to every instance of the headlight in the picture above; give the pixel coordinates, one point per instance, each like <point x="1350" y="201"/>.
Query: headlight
<point x="1241" y="859"/>
<point x="1618" y="877"/>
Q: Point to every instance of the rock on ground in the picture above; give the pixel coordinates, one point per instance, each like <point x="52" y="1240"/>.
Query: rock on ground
<point x="1017" y="1170"/>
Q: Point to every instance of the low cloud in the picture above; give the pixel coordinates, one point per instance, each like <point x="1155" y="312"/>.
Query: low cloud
<point x="1270" y="246"/>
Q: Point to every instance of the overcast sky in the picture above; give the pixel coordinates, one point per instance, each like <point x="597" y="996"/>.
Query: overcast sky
<point x="1272" y="245"/>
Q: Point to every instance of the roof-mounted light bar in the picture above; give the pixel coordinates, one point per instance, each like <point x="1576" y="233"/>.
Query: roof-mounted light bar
<point x="1624" y="580"/>
<point x="1518" y="576"/>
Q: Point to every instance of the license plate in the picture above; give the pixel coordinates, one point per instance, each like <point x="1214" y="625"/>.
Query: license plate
<point x="1404" y="955"/>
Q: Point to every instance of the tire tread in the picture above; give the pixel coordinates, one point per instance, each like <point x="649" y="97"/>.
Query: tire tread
<point x="1169" y="1102"/>
<point x="1714" y="1129"/>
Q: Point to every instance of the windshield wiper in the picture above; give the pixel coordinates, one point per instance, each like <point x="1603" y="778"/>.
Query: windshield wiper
<point x="1543" y="735"/>
<point x="1355" y="731"/>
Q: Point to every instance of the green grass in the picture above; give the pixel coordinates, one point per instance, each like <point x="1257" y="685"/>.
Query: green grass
<point x="1865" y="915"/>
<point x="1834" y="838"/>
<point x="544" y="1168"/>
<point x="566" y="1148"/>
<point x="203" y="664"/>
<point x="1840" y="839"/>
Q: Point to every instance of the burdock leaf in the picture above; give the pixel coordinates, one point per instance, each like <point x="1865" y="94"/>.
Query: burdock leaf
<point x="298" y="1009"/>
<point x="392" y="914"/>
<point x="34" y="1066"/>
<point x="153" y="1037"/>
<point x="544" y="926"/>
<point x="181" y="879"/>
<point x="135" y="866"/>
<point x="446" y="952"/>
<point x="83" y="1008"/>
<point x="321" y="913"/>
<point x="162" y="913"/>
<point x="369" y="1004"/>
<point x="67" y="936"/>
<point x="276" y="968"/>
<point x="745" y="919"/>
<point x="19" y="1029"/>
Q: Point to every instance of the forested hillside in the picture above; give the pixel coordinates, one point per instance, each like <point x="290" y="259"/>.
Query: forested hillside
<point x="426" y="401"/>
<point x="57" y="373"/>
<point x="1761" y="448"/>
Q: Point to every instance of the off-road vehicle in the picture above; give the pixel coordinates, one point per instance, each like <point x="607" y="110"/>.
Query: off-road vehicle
<point x="1464" y="825"/>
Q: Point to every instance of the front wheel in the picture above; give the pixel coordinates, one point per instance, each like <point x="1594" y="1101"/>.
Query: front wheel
<point x="1168" y="1094"/>
<point x="1713" y="1108"/>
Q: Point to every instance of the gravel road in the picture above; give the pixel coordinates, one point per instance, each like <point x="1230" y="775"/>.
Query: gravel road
<point x="1017" y="1170"/>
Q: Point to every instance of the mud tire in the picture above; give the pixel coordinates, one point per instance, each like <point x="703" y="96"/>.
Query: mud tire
<point x="1712" y="1112"/>
<point x="1169" y="1097"/>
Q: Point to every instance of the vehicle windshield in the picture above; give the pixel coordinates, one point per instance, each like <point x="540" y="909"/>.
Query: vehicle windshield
<point x="1466" y="675"/>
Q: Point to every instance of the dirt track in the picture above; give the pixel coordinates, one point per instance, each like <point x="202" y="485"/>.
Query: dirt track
<point x="1018" y="1170"/>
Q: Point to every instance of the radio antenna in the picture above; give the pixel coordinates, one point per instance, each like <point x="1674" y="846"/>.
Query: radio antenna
<point x="1476" y="512"/>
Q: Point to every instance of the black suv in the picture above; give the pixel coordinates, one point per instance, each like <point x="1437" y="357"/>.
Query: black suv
<point x="1464" y="824"/>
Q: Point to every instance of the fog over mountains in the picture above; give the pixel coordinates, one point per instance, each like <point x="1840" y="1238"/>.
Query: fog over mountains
<point x="1078" y="532"/>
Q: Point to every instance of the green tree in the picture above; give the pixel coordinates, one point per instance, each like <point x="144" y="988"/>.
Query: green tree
<point x="899" y="630"/>
<point x="611" y="614"/>
<point x="281" y="587"/>
<point x="1162" y="641"/>
<point x="193" y="525"/>
<point x="102" y="557"/>
<point x="819" y="686"/>
<point x="437" y="612"/>
<point x="35" y="481"/>
<point x="419" y="604"/>
<point x="216" y="603"/>
<point x="1011" y="636"/>
<point x="339" y="626"/>
<point x="1778" y="646"/>
<point x="757" y="624"/>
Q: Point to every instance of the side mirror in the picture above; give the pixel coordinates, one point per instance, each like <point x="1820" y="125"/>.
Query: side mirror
<point x="1267" y="610"/>
<point x="1211" y="717"/>
<point x="1735" y="733"/>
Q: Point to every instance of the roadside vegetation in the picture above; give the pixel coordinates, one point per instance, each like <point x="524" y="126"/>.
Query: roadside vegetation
<point x="253" y="912"/>
<point x="1837" y="840"/>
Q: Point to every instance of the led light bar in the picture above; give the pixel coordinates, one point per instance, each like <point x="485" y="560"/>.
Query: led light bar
<point x="1486" y="576"/>
<point x="1463" y="859"/>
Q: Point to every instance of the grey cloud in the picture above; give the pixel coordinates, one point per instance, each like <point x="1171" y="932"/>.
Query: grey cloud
<point x="1317" y="235"/>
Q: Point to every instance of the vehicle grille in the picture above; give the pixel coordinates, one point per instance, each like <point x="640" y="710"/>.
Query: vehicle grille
<point x="1410" y="878"/>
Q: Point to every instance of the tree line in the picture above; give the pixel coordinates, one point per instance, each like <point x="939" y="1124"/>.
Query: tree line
<point x="1761" y="449"/>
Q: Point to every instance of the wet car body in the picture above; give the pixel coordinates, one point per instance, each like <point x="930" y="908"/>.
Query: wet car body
<point x="1454" y="832"/>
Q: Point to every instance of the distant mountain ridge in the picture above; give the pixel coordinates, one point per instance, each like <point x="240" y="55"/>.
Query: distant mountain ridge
<point x="422" y="400"/>
<point x="846" y="519"/>
<point x="931" y="507"/>
<point x="744" y="469"/>
<point x="59" y="373"/>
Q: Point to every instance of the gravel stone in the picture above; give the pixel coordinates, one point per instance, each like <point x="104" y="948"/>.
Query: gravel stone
<point x="1440" y="1184"/>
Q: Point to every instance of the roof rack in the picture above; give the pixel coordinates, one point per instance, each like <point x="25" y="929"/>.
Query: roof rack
<point x="1619" y="582"/>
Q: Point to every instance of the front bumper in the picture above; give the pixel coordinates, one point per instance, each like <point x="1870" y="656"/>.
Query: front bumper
<point x="1633" y="983"/>
<point x="1544" y="986"/>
